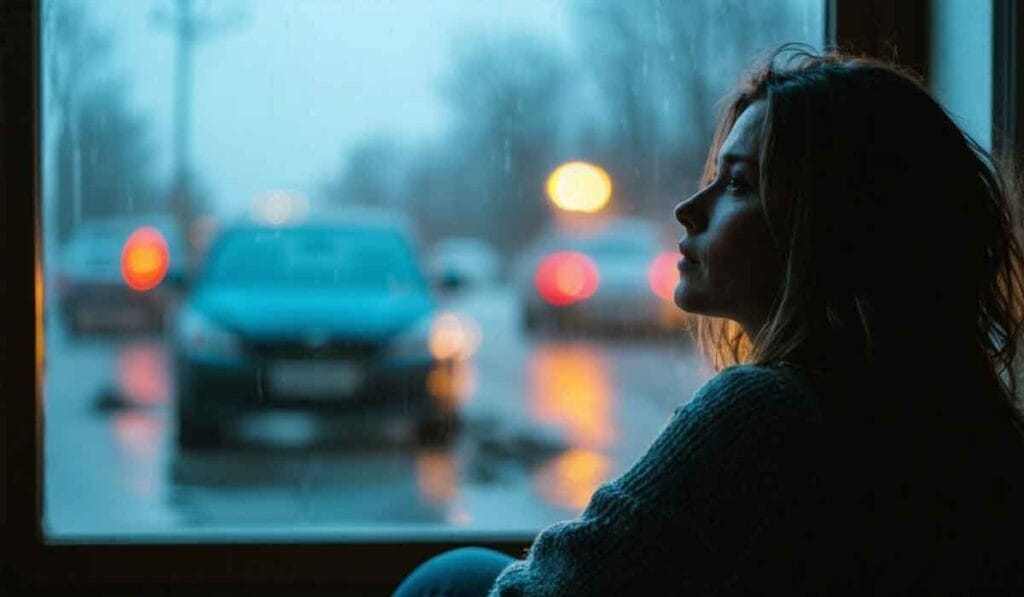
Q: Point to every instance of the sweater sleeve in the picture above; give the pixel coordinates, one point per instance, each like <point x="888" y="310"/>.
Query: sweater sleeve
<point x="695" y="506"/>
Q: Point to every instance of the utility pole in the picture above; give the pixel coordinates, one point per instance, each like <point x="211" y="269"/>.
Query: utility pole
<point x="188" y="28"/>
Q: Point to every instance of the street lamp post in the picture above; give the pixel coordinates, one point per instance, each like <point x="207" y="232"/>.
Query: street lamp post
<point x="188" y="28"/>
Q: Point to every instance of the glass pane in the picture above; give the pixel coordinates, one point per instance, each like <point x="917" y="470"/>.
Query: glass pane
<point x="960" y="72"/>
<point x="368" y="266"/>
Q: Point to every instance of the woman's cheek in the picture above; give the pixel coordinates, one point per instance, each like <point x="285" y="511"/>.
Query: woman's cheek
<point x="734" y="253"/>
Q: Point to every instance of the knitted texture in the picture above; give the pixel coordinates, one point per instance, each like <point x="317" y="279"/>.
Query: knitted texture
<point x="708" y="499"/>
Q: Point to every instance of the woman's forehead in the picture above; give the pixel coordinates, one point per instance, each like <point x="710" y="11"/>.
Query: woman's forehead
<point x="744" y="140"/>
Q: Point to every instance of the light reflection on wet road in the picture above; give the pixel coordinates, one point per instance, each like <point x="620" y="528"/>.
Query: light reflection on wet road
<point x="547" y="419"/>
<point x="570" y="386"/>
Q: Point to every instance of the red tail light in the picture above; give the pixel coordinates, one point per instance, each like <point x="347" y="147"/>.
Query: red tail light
<point x="565" y="278"/>
<point x="144" y="259"/>
<point x="663" y="275"/>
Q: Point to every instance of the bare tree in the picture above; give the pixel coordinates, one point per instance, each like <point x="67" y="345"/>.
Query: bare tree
<point x="507" y="96"/>
<point x="373" y="173"/>
<point x="662" y="65"/>
<point x="97" y="149"/>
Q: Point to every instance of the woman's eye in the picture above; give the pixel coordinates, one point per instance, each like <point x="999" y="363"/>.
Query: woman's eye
<point x="735" y="184"/>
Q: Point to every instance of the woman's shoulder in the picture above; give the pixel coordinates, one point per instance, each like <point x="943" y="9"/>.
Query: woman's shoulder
<point x="780" y="380"/>
<point x="756" y="392"/>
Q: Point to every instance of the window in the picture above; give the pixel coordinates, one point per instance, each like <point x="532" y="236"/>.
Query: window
<point x="961" y="72"/>
<point x="283" y="351"/>
<point x="110" y="148"/>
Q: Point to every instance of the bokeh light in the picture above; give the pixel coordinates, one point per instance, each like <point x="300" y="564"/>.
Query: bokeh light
<point x="278" y="208"/>
<point x="579" y="187"/>
<point x="144" y="259"/>
<point x="570" y="480"/>
<point x="663" y="275"/>
<point x="566" y="277"/>
<point x="454" y="336"/>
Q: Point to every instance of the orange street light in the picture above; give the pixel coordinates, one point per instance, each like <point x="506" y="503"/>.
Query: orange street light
<point x="580" y="187"/>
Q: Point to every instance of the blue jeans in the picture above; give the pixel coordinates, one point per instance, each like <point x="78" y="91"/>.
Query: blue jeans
<point x="462" y="572"/>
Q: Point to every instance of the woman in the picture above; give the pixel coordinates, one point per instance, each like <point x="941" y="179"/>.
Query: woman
<point x="856" y="257"/>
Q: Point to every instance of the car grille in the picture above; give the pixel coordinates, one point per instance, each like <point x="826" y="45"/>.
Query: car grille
<point x="296" y="349"/>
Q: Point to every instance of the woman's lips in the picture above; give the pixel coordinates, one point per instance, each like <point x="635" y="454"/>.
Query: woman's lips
<point x="686" y="260"/>
<point x="686" y="263"/>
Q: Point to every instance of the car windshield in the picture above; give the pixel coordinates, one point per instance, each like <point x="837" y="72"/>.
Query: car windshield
<point x="317" y="257"/>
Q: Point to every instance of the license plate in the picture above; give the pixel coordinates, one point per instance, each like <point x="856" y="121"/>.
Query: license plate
<point x="315" y="379"/>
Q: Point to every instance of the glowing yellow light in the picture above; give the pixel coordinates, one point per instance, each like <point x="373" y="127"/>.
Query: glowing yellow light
<point x="571" y="479"/>
<point x="144" y="259"/>
<point x="454" y="336"/>
<point x="579" y="186"/>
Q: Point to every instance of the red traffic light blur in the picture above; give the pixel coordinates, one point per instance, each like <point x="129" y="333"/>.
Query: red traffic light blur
<point x="144" y="259"/>
<point x="566" y="277"/>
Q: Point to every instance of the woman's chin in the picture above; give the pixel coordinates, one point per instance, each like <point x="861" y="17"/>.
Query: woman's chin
<point x="690" y="301"/>
<point x="684" y="299"/>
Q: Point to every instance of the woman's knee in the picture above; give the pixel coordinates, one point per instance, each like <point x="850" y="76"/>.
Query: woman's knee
<point x="462" y="571"/>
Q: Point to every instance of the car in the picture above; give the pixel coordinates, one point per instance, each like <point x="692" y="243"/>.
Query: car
<point x="121" y="274"/>
<point x="331" y="315"/>
<point x="610" y="275"/>
<point x="459" y="263"/>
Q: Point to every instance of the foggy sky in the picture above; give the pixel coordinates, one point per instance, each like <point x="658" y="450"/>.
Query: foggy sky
<point x="278" y="96"/>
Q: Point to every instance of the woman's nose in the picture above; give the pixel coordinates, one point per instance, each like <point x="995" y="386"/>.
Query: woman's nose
<point x="686" y="213"/>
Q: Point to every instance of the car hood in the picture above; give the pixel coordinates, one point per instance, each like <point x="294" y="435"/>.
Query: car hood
<point x="338" y="313"/>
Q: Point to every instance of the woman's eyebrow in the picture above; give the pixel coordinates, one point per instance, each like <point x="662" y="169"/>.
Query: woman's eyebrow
<point x="733" y="158"/>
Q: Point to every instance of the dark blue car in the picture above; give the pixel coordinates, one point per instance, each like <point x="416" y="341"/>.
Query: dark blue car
<point x="327" y="316"/>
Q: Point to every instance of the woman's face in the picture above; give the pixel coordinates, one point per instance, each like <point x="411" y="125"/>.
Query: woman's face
<point x="730" y="266"/>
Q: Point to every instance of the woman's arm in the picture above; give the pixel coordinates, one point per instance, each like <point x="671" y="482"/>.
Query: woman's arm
<point x="724" y="477"/>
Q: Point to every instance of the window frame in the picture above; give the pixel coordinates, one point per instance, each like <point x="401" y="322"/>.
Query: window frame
<point x="1007" y="73"/>
<point x="294" y="566"/>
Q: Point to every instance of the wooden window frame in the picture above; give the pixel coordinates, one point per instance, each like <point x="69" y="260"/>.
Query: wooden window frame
<point x="293" y="567"/>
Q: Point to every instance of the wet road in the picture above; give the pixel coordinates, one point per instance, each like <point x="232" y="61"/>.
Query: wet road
<point x="547" y="418"/>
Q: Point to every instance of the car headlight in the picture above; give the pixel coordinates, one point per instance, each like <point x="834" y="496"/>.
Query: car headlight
<point x="445" y="336"/>
<point x="200" y="336"/>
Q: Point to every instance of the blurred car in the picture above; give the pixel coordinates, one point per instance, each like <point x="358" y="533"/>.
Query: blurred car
<point x="614" y="275"/>
<point x="123" y="274"/>
<point x="331" y="317"/>
<point x="458" y="263"/>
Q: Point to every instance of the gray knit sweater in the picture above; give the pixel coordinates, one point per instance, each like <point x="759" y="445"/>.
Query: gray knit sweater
<point x="706" y="500"/>
<point x="775" y="480"/>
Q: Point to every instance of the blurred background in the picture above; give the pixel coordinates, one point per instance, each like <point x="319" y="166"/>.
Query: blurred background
<point x="335" y="265"/>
